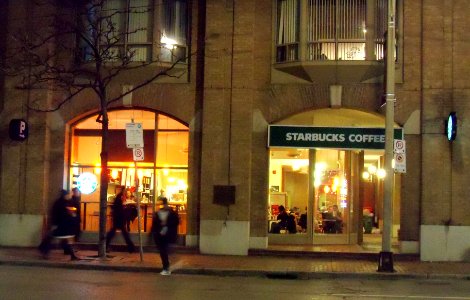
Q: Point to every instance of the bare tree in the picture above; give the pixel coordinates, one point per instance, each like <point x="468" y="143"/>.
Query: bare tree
<point x="78" y="46"/>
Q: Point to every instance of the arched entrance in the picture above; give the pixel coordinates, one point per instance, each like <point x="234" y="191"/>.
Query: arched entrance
<point x="163" y="170"/>
<point x="326" y="170"/>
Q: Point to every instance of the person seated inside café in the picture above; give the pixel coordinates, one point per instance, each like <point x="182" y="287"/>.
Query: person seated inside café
<point x="338" y="219"/>
<point x="332" y="220"/>
<point x="303" y="221"/>
<point x="285" y="222"/>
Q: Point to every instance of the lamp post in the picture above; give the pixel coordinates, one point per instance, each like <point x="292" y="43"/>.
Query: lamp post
<point x="386" y="255"/>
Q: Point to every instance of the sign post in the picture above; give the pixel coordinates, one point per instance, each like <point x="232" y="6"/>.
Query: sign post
<point x="386" y="255"/>
<point x="135" y="141"/>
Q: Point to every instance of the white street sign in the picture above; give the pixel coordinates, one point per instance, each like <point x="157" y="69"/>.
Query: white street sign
<point x="399" y="146"/>
<point x="134" y="135"/>
<point x="400" y="162"/>
<point x="138" y="154"/>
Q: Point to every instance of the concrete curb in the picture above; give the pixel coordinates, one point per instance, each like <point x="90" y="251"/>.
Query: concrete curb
<point x="288" y="275"/>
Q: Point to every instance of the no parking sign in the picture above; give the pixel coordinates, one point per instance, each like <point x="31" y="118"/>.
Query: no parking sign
<point x="400" y="163"/>
<point x="138" y="153"/>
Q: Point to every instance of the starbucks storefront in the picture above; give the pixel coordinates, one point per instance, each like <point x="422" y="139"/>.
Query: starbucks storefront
<point x="326" y="180"/>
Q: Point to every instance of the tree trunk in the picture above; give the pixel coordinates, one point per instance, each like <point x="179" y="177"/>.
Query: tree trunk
<point x="103" y="180"/>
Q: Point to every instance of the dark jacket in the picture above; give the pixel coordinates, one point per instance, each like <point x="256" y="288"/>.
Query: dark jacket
<point x="282" y="218"/>
<point x="75" y="202"/>
<point x="165" y="232"/>
<point x="118" y="211"/>
<point x="63" y="216"/>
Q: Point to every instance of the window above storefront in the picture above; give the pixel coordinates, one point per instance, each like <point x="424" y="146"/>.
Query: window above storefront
<point x="136" y="30"/>
<point x="330" y="40"/>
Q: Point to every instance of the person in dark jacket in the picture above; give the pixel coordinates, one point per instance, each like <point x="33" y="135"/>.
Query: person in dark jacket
<point x="76" y="202"/>
<point x="165" y="230"/>
<point x="119" y="222"/>
<point x="63" y="219"/>
<point x="281" y="223"/>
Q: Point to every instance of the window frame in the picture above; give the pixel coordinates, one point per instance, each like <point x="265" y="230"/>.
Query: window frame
<point x="154" y="44"/>
<point x="370" y="43"/>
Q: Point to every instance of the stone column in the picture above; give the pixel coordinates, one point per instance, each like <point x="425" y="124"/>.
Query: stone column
<point x="227" y="126"/>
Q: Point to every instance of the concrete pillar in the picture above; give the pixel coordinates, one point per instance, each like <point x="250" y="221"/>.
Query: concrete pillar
<point x="227" y="126"/>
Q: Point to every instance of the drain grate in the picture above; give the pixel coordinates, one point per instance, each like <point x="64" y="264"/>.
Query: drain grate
<point x="283" y="276"/>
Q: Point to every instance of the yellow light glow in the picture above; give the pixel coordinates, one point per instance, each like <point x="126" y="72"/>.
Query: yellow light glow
<point x="167" y="42"/>
<point x="320" y="166"/>
<point x="295" y="166"/>
<point x="166" y="172"/>
<point x="317" y="183"/>
<point x="98" y="168"/>
<point x="171" y="179"/>
<point x="326" y="189"/>
<point x="381" y="173"/>
<point x="114" y="174"/>
<point x="182" y="185"/>
<point x="336" y="180"/>
<point x="372" y="169"/>
<point x="393" y="163"/>
<point x="140" y="174"/>
<point x="365" y="175"/>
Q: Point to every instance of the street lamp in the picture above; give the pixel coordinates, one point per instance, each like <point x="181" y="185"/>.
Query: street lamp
<point x="386" y="255"/>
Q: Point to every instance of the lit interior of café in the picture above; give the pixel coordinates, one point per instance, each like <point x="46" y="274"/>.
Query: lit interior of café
<point x="163" y="171"/>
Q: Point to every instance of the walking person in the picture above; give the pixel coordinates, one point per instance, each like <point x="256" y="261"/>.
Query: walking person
<point x="76" y="202"/>
<point x="119" y="222"/>
<point x="62" y="220"/>
<point x="165" y="229"/>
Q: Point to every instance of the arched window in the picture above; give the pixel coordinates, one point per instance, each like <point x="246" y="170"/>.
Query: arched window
<point x="163" y="171"/>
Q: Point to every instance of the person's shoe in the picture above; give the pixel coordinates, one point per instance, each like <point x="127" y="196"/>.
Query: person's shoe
<point x="165" y="273"/>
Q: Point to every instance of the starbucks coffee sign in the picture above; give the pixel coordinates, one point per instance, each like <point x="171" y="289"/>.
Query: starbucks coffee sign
<point x="328" y="137"/>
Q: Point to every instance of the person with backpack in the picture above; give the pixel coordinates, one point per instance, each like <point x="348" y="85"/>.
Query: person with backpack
<point x="119" y="222"/>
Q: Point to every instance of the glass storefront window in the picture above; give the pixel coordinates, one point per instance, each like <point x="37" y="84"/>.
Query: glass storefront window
<point x="331" y="207"/>
<point x="288" y="195"/>
<point x="163" y="171"/>
<point x="172" y="148"/>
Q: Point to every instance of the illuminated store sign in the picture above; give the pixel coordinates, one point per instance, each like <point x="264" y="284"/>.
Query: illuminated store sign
<point x="451" y="126"/>
<point x="87" y="183"/>
<point x="328" y="137"/>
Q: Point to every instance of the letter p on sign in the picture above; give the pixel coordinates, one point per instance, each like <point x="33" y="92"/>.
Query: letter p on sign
<point x="18" y="130"/>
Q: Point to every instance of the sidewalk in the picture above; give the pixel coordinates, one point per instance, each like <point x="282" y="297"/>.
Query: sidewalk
<point x="261" y="266"/>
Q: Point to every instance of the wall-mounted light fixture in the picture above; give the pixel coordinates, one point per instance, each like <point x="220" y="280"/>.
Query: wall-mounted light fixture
<point x="373" y="171"/>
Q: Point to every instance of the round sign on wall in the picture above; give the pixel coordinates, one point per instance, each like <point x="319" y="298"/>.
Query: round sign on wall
<point x="87" y="183"/>
<point x="451" y="126"/>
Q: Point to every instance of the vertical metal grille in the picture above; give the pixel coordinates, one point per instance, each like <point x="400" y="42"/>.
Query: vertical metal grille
<point x="130" y="24"/>
<point x="288" y="30"/>
<point x="336" y="29"/>
<point x="380" y="28"/>
<point x="139" y="30"/>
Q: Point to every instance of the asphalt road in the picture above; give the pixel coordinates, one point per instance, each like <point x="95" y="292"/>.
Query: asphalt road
<point x="50" y="283"/>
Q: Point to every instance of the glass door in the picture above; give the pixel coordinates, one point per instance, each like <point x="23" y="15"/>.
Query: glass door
<point x="332" y="197"/>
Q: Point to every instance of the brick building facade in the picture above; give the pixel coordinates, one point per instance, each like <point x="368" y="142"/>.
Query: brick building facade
<point x="236" y="85"/>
